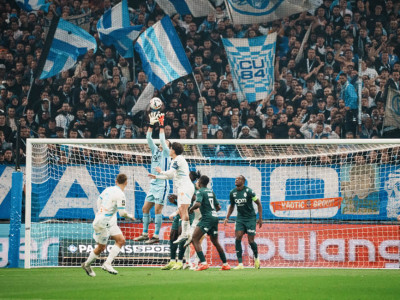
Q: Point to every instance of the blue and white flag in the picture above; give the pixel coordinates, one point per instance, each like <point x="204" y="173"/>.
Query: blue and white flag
<point x="252" y="61"/>
<point x="69" y="43"/>
<point x="30" y="5"/>
<point x="197" y="8"/>
<point x="162" y="54"/>
<point x="262" y="11"/>
<point x="114" y="29"/>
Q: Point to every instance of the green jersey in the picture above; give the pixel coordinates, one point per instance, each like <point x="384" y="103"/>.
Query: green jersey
<point x="208" y="202"/>
<point x="244" y="201"/>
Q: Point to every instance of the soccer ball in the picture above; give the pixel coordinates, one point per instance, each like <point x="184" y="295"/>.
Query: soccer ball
<point x="156" y="103"/>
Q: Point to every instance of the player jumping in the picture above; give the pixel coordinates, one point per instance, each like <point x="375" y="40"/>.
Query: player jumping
<point x="158" y="188"/>
<point x="110" y="201"/>
<point x="209" y="205"/>
<point x="244" y="197"/>
<point x="179" y="171"/>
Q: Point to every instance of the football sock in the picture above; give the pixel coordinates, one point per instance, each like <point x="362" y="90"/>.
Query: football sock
<point x="113" y="253"/>
<point x="173" y="247"/>
<point x="146" y="221"/>
<point x="253" y="246"/>
<point x="238" y="247"/>
<point x="185" y="228"/>
<point x="187" y="254"/>
<point x="201" y="257"/>
<point x="222" y="256"/>
<point x="181" y="251"/>
<point x="158" y="221"/>
<point x="92" y="257"/>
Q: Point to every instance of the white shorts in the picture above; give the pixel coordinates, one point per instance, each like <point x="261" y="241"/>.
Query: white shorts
<point x="102" y="233"/>
<point x="185" y="195"/>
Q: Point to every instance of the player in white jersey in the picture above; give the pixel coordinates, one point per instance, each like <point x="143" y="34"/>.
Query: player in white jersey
<point x="179" y="171"/>
<point x="158" y="188"/>
<point x="110" y="201"/>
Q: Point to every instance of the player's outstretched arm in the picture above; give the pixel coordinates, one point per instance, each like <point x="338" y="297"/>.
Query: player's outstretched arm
<point x="259" y="206"/>
<point x="230" y="211"/>
<point x="163" y="142"/>
<point x="153" y="117"/>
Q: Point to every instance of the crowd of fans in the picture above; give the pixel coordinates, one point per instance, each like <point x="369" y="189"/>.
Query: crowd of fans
<point x="314" y="97"/>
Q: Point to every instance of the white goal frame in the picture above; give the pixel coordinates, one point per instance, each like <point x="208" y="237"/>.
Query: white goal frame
<point x="237" y="142"/>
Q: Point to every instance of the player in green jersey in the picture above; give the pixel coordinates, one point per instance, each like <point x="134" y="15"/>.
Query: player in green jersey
<point x="176" y="230"/>
<point x="209" y="205"/>
<point x="243" y="197"/>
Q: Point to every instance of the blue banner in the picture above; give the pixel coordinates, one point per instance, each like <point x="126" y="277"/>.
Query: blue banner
<point x="368" y="192"/>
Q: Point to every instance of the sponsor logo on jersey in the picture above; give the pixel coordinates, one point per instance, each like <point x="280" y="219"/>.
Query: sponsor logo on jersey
<point x="240" y="200"/>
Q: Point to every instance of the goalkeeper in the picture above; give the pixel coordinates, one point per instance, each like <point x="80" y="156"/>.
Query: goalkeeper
<point x="243" y="197"/>
<point x="110" y="201"/>
<point x="158" y="188"/>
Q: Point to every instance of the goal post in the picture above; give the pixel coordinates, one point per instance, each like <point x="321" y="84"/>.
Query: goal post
<point x="326" y="203"/>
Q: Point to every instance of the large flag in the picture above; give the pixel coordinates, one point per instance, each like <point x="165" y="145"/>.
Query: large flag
<point x="392" y="110"/>
<point x="68" y="44"/>
<point x="30" y="5"/>
<point x="197" y="8"/>
<point x="114" y="29"/>
<point x="252" y="61"/>
<point x="144" y="99"/>
<point x="162" y="54"/>
<point x="262" y="11"/>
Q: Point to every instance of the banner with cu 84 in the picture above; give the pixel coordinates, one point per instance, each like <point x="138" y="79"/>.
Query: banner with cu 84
<point x="352" y="193"/>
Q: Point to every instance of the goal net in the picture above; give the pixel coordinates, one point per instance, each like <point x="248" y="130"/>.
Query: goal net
<point x="325" y="203"/>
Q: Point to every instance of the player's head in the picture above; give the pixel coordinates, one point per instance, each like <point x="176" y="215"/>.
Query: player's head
<point x="240" y="181"/>
<point x="122" y="180"/>
<point x="176" y="148"/>
<point x="194" y="175"/>
<point x="203" y="181"/>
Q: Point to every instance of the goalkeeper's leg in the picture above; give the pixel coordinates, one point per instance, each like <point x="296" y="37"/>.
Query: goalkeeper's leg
<point x="146" y="219"/>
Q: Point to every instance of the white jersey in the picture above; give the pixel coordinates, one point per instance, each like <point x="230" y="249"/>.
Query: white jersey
<point x="179" y="171"/>
<point x="111" y="200"/>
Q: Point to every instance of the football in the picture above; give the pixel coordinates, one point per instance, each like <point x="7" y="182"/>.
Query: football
<point x="156" y="103"/>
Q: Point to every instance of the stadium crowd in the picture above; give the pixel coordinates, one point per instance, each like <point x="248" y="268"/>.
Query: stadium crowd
<point x="313" y="98"/>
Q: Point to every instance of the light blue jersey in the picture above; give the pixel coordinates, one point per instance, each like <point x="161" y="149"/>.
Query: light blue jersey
<point x="158" y="188"/>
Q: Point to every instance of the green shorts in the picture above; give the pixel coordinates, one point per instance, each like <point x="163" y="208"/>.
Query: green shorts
<point x="247" y="226"/>
<point x="176" y="223"/>
<point x="209" y="226"/>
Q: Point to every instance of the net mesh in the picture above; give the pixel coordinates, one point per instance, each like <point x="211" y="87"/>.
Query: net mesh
<point x="324" y="205"/>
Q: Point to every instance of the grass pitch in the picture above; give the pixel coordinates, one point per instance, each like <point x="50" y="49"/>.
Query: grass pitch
<point x="152" y="283"/>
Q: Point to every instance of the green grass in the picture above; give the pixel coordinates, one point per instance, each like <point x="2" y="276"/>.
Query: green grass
<point x="152" y="283"/>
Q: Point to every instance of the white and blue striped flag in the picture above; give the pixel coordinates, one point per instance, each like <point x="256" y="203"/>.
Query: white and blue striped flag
<point x="114" y="29"/>
<point x="262" y="11"/>
<point x="69" y="43"/>
<point x="162" y="54"/>
<point x="252" y="61"/>
<point x="30" y="5"/>
<point x="197" y="8"/>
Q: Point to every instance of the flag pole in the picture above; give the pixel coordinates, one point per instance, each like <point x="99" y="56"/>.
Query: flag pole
<point x="200" y="109"/>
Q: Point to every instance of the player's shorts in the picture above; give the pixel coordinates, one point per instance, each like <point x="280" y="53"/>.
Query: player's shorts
<point x="247" y="226"/>
<point x="176" y="223"/>
<point x="158" y="194"/>
<point x="101" y="234"/>
<point x="209" y="225"/>
<point x="185" y="195"/>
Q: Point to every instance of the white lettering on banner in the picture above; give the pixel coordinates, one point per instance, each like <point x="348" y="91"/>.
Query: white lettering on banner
<point x="281" y="175"/>
<point x="313" y="246"/>
<point x="6" y="182"/>
<point x="3" y="252"/>
<point x="339" y="243"/>
<point x="364" y="243"/>
<point x="46" y="244"/>
<point x="389" y="244"/>
<point x="34" y="249"/>
<point x="294" y="256"/>
<point x="58" y="199"/>
<point x="259" y="68"/>
<point x="252" y="174"/>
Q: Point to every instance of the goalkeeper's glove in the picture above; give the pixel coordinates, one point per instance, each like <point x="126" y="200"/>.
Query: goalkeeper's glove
<point x="161" y="117"/>
<point x="153" y="116"/>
